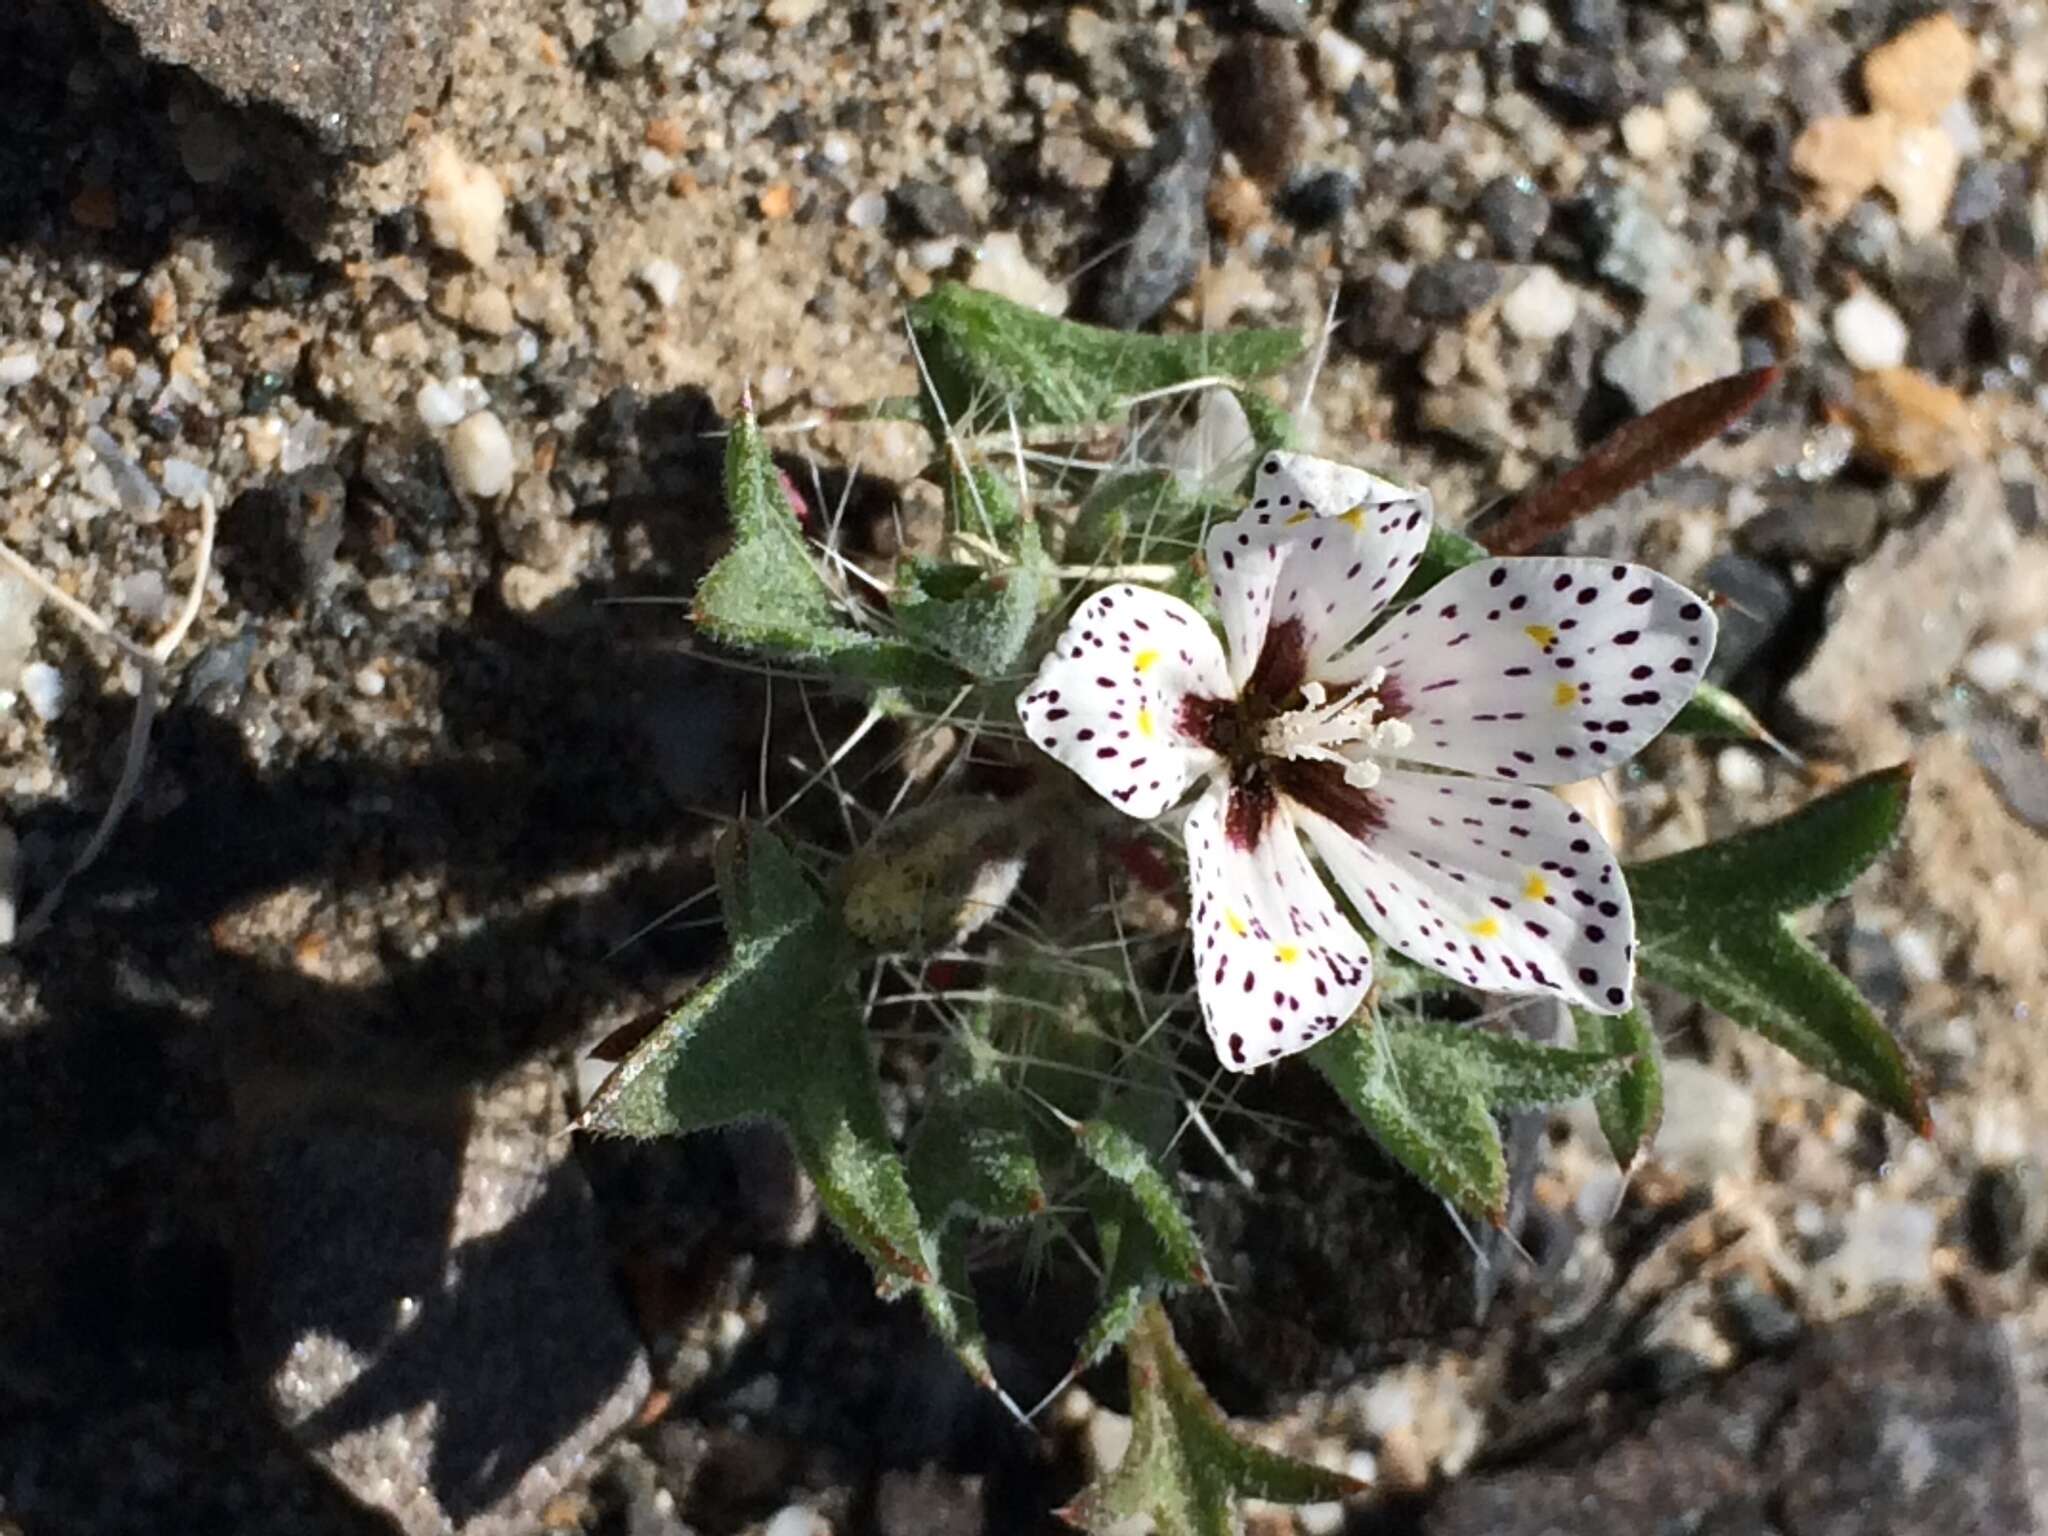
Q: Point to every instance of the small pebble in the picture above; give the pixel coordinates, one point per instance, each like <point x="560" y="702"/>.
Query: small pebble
<point x="1737" y="770"/>
<point x="43" y="686"/>
<point x="369" y="682"/>
<point x="480" y="456"/>
<point x="1918" y="955"/>
<point x="1843" y="157"/>
<point x="1920" y="175"/>
<point x="1907" y="423"/>
<point x="1921" y="72"/>
<point x="464" y="204"/>
<point x="629" y="46"/>
<point x="1645" y="134"/>
<point x="10" y="883"/>
<point x="143" y="594"/>
<point x="17" y="368"/>
<point x="1002" y="268"/>
<point x="1994" y="667"/>
<point x="1339" y="61"/>
<point x="438" y="406"/>
<point x="1514" y="214"/>
<point x="1541" y="307"/>
<point x="867" y="210"/>
<point x="664" y="15"/>
<point x="662" y="278"/>
<point x="185" y="482"/>
<point x="1869" y="331"/>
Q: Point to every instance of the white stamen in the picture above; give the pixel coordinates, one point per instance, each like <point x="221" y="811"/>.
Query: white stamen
<point x="1347" y="732"/>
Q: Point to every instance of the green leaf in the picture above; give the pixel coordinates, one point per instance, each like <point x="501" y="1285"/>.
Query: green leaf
<point x="1716" y="714"/>
<point x="1427" y="1107"/>
<point x="1513" y="1073"/>
<point x="776" y="1034"/>
<point x="766" y="593"/>
<point x="1631" y="1107"/>
<point x="991" y="364"/>
<point x="978" y="619"/>
<point x="1184" y="1469"/>
<point x="974" y="1157"/>
<point x="1712" y="923"/>
<point x="1124" y="1159"/>
<point x="1809" y="856"/>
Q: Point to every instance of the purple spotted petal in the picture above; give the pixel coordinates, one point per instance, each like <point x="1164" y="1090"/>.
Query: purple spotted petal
<point x="1504" y="888"/>
<point x="1111" y="700"/>
<point x="1540" y="671"/>
<point x="1356" y="540"/>
<point x="1244" y="564"/>
<point x="1277" y="965"/>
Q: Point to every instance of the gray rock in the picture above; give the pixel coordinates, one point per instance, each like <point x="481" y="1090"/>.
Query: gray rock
<point x="931" y="209"/>
<point x="1983" y="189"/>
<point x="1164" y="225"/>
<point x="1829" y="525"/>
<point x="1671" y="351"/>
<point x="1637" y="250"/>
<point x="1283" y="18"/>
<point x="1759" y="600"/>
<point x="2002" y="1214"/>
<point x="348" y="71"/>
<point x="292" y="528"/>
<point x="1902" y="1423"/>
<point x="1900" y="622"/>
<point x="1583" y="85"/>
<point x="1889" y="1424"/>
<point x="1256" y="90"/>
<point x="429" y="1306"/>
<point x="18" y="605"/>
<point x="1451" y="290"/>
<point x="1515" y="214"/>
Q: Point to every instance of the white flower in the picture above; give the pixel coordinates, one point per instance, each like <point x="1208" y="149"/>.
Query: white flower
<point x="1413" y="761"/>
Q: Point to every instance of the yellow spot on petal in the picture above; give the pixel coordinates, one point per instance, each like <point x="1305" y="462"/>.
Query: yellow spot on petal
<point x="1536" y="889"/>
<point x="1145" y="727"/>
<point x="1286" y="954"/>
<point x="1542" y="634"/>
<point x="1354" y="519"/>
<point x="1145" y="661"/>
<point x="1299" y="518"/>
<point x="1235" y="923"/>
<point x="1485" y="928"/>
<point x="1566" y="695"/>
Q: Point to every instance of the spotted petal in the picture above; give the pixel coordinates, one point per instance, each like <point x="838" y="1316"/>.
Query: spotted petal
<point x="1504" y="888"/>
<point x="1110" y="700"/>
<point x="1358" y="538"/>
<point x="1277" y="965"/>
<point x="1244" y="557"/>
<point x="1539" y="671"/>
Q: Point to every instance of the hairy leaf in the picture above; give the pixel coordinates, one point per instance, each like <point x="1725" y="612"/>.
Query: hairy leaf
<point x="991" y="364"/>
<point x="775" y="1034"/>
<point x="974" y="1157"/>
<point x="766" y="594"/>
<point x="1184" y="1470"/>
<point x="1631" y="1107"/>
<point x="1712" y="923"/>
<point x="1124" y="1159"/>
<point x="1513" y="1073"/>
<point x="1427" y="1106"/>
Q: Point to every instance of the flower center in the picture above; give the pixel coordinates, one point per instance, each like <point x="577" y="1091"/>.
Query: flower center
<point x="1347" y="731"/>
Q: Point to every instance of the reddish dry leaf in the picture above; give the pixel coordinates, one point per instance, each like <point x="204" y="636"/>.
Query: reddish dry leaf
<point x="1626" y="458"/>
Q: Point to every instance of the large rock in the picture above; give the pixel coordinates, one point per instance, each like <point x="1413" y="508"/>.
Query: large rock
<point x="348" y="71"/>
<point x="1900" y="623"/>
<point x="430" y="1307"/>
<point x="1889" y="1424"/>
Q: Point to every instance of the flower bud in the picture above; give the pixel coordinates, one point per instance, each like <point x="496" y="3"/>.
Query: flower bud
<point x="932" y="878"/>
